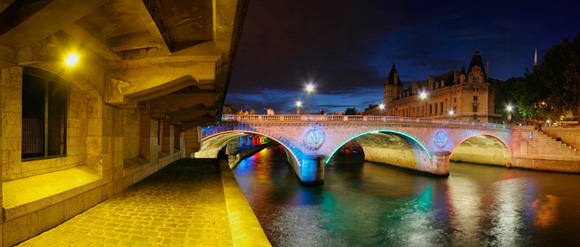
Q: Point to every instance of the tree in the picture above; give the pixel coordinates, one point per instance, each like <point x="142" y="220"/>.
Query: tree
<point x="560" y="71"/>
<point x="350" y="111"/>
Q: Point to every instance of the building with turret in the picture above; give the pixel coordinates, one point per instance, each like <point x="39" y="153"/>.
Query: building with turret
<point x="467" y="95"/>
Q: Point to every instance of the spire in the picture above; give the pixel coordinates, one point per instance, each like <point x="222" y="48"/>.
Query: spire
<point x="393" y="77"/>
<point x="476" y="60"/>
<point x="536" y="57"/>
<point x="463" y="70"/>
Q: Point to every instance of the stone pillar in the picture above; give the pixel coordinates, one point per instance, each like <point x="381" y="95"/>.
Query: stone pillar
<point x="105" y="144"/>
<point x="182" y="146"/>
<point x="191" y="142"/>
<point x="171" y="140"/>
<point x="154" y="141"/>
<point x="144" y="136"/>
<point x="441" y="163"/>
<point x="312" y="170"/>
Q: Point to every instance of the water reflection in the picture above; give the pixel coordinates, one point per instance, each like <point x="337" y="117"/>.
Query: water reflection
<point x="366" y="204"/>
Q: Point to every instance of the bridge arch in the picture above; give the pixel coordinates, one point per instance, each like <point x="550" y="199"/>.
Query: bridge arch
<point x="210" y="150"/>
<point x="482" y="148"/>
<point x="403" y="149"/>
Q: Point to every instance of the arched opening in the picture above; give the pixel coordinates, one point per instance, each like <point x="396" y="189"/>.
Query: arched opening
<point x="390" y="147"/>
<point x="484" y="149"/>
<point x="212" y="145"/>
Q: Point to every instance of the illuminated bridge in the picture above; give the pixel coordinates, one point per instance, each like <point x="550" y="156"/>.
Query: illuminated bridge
<point x="310" y="141"/>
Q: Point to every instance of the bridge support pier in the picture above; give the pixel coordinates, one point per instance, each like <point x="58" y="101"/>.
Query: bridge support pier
<point x="441" y="163"/>
<point x="312" y="171"/>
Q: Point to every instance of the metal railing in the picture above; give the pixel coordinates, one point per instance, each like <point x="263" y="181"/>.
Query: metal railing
<point x="351" y="118"/>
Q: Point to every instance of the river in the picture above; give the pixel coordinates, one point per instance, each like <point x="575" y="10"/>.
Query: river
<point x="368" y="204"/>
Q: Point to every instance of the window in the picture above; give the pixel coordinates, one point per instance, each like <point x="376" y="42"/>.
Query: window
<point x="441" y="105"/>
<point x="454" y="100"/>
<point x="474" y="108"/>
<point x="435" y="108"/>
<point x="430" y="109"/>
<point x="44" y="101"/>
<point x="475" y="98"/>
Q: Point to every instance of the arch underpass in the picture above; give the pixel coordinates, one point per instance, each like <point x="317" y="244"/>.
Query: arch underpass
<point x="390" y="147"/>
<point x="482" y="149"/>
<point x="211" y="145"/>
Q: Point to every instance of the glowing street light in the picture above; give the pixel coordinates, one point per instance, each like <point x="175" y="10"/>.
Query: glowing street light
<point x="298" y="105"/>
<point x="71" y="59"/>
<point x="381" y="107"/>
<point x="451" y="112"/>
<point x="423" y="95"/>
<point x="510" y="108"/>
<point x="309" y="89"/>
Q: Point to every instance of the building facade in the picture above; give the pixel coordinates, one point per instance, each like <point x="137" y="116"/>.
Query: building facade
<point x="457" y="95"/>
<point x="97" y="95"/>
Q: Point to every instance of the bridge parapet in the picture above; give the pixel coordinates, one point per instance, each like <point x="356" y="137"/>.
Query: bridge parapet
<point x="353" y="118"/>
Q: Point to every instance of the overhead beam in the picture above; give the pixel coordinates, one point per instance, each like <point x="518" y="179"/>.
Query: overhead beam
<point x="133" y="41"/>
<point x="173" y="103"/>
<point x="201" y="122"/>
<point x="90" y="41"/>
<point x="5" y="3"/>
<point x="150" y="16"/>
<point x="20" y="32"/>
<point x="191" y="116"/>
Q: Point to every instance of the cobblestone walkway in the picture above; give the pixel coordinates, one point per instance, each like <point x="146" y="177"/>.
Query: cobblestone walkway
<point x="181" y="205"/>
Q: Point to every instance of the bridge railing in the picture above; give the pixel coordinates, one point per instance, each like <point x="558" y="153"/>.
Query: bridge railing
<point x="352" y="118"/>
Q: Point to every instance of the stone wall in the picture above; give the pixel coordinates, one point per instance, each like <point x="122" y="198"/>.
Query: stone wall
<point x="536" y="150"/>
<point x="98" y="138"/>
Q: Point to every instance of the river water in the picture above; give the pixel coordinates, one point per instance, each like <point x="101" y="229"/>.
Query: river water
<point x="369" y="204"/>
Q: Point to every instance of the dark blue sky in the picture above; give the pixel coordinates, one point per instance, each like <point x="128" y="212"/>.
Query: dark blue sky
<point x="348" y="47"/>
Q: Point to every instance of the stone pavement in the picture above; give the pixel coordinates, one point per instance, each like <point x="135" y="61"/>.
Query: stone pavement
<point x="181" y="205"/>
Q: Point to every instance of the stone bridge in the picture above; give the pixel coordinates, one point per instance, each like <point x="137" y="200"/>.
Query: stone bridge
<point x="310" y="141"/>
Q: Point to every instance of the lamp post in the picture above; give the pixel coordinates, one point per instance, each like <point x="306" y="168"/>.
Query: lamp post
<point x="381" y="107"/>
<point x="509" y="108"/>
<point x="309" y="89"/>
<point x="298" y="105"/>
<point x="423" y="96"/>
<point x="451" y="112"/>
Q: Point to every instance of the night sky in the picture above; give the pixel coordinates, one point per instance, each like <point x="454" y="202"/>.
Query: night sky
<point x="348" y="47"/>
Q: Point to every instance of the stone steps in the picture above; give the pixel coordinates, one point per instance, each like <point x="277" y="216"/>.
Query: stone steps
<point x="548" y="144"/>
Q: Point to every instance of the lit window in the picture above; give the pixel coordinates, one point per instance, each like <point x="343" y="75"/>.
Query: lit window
<point x="44" y="99"/>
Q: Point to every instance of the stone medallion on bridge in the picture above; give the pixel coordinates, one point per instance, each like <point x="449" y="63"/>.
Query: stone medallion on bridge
<point x="440" y="139"/>
<point x="314" y="138"/>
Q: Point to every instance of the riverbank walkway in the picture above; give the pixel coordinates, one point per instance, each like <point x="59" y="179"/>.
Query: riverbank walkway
<point x="191" y="202"/>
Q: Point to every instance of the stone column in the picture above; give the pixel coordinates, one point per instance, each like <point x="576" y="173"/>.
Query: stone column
<point x="182" y="146"/>
<point x="312" y="170"/>
<point x="153" y="141"/>
<point x="441" y="163"/>
<point x="191" y="142"/>
<point x="171" y="140"/>
<point x="144" y="136"/>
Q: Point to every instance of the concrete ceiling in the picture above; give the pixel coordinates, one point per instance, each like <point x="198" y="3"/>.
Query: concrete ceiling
<point x="148" y="48"/>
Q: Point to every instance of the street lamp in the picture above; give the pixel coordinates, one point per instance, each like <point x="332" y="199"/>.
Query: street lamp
<point x="309" y="89"/>
<point x="298" y="105"/>
<point x="510" y="108"/>
<point x="423" y="97"/>
<point x="381" y="107"/>
<point x="451" y="112"/>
